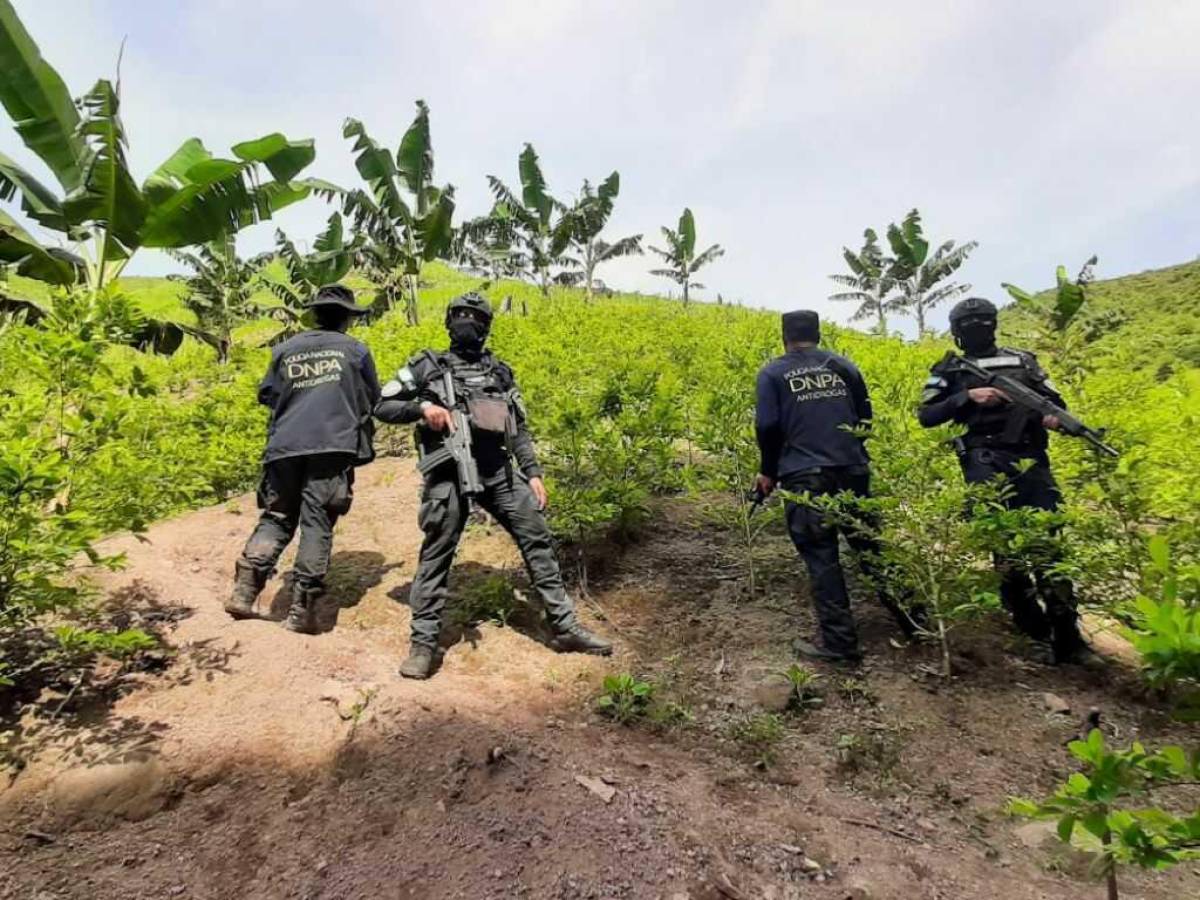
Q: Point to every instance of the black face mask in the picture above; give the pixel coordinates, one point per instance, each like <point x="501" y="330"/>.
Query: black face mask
<point x="467" y="335"/>
<point x="977" y="337"/>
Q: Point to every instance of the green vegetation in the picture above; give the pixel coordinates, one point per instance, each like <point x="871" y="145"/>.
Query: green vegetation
<point x="631" y="399"/>
<point x="1097" y="808"/>
<point x="759" y="735"/>
<point x="625" y="698"/>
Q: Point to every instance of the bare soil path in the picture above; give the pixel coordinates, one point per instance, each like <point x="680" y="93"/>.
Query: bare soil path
<point x="262" y="764"/>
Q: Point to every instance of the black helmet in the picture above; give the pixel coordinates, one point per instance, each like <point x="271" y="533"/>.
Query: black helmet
<point x="976" y="308"/>
<point x="470" y="301"/>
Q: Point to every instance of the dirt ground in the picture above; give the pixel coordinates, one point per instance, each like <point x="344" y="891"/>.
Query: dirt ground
<point x="249" y="762"/>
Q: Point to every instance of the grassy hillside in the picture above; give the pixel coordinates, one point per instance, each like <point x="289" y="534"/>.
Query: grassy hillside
<point x="1148" y="319"/>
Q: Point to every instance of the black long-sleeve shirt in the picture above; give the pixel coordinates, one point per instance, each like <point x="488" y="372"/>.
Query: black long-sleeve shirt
<point x="806" y="402"/>
<point x="321" y="387"/>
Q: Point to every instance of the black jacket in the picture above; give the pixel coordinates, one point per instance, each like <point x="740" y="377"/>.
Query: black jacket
<point x="321" y="387"/>
<point x="421" y="380"/>
<point x="806" y="401"/>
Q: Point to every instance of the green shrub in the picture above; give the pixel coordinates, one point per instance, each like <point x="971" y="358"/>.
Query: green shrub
<point x="625" y="698"/>
<point x="1097" y="808"/>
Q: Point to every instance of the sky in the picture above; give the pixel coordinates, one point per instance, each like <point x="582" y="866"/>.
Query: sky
<point x="1047" y="132"/>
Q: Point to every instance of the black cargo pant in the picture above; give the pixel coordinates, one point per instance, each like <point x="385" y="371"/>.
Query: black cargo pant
<point x="1034" y="488"/>
<point x="443" y="516"/>
<point x="305" y="492"/>
<point x="817" y="541"/>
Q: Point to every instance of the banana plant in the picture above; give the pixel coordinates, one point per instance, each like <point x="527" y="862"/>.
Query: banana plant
<point x="491" y="244"/>
<point x="191" y="199"/>
<point x="870" y="282"/>
<point x="681" y="257"/>
<point x="403" y="219"/>
<point x="919" y="274"/>
<point x="537" y="214"/>
<point x="296" y="276"/>
<point x="220" y="290"/>
<point x="580" y="226"/>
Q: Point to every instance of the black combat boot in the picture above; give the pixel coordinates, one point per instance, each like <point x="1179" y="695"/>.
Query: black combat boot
<point x="302" y="614"/>
<point x="577" y="639"/>
<point x="813" y="650"/>
<point x="1068" y="646"/>
<point x="248" y="583"/>
<point x="419" y="664"/>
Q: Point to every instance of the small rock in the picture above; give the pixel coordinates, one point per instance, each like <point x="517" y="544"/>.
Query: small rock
<point x="926" y="825"/>
<point x="1035" y="834"/>
<point x="322" y="866"/>
<point x="809" y="866"/>
<point x="792" y="849"/>
<point x="1056" y="704"/>
<point x="774" y="694"/>
<point x="597" y="787"/>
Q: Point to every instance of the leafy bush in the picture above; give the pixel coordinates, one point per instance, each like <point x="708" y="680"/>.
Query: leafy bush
<point x="1095" y="810"/>
<point x="759" y="734"/>
<point x="1166" y="628"/>
<point x="490" y="599"/>
<point x="625" y="698"/>
<point x="805" y="692"/>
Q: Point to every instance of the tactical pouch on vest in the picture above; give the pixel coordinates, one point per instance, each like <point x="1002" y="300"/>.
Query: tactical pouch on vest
<point x="488" y="414"/>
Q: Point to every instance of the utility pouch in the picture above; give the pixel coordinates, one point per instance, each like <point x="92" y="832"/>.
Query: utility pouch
<point x="488" y="414"/>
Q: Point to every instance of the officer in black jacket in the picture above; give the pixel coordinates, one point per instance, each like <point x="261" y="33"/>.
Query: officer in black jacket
<point x="1001" y="439"/>
<point x="321" y="388"/>
<point x="807" y="402"/>
<point x="515" y="496"/>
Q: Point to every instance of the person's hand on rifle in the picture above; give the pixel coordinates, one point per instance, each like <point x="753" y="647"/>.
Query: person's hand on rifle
<point x="764" y="485"/>
<point x="1051" y="422"/>
<point x="437" y="418"/>
<point x="987" y="396"/>
<point x="539" y="492"/>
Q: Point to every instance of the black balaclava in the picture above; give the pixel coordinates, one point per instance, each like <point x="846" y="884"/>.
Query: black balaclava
<point x="976" y="336"/>
<point x="467" y="335"/>
<point x="801" y="327"/>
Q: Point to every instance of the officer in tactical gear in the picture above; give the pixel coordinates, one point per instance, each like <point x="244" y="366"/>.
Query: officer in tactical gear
<point x="1008" y="441"/>
<point x="483" y="388"/>
<point x="808" y="400"/>
<point x="321" y="388"/>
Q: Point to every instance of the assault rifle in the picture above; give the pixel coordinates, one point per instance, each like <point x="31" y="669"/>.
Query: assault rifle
<point x="455" y="446"/>
<point x="1027" y="397"/>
